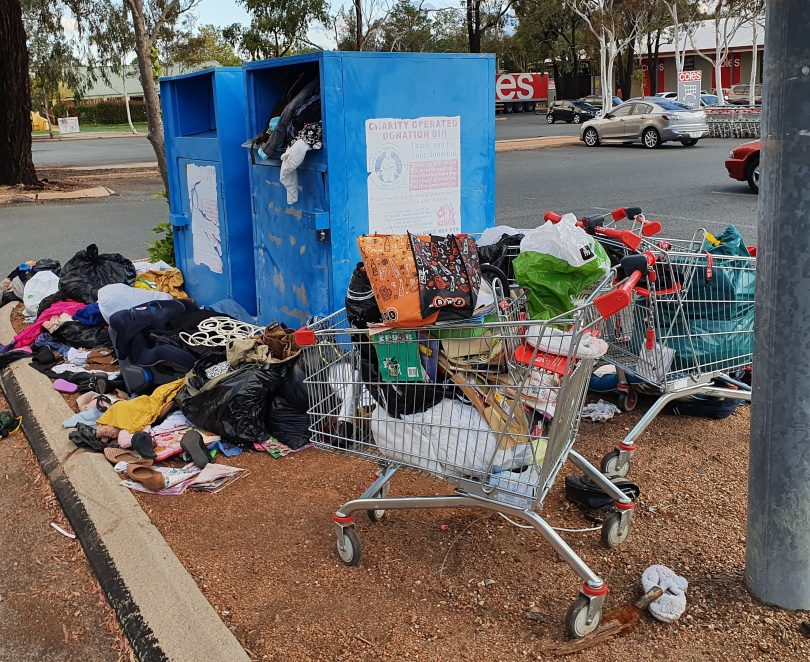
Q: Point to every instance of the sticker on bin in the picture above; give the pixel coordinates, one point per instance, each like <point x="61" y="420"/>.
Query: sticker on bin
<point x="414" y="175"/>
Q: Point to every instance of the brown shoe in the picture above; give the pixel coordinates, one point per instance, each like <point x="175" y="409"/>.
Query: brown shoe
<point x="150" y="478"/>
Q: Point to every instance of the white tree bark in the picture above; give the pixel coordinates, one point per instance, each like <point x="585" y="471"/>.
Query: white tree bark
<point x="754" y="61"/>
<point x="126" y="96"/>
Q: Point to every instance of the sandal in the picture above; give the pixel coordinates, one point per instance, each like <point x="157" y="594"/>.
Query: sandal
<point x="192" y="443"/>
<point x="116" y="455"/>
<point x="149" y="477"/>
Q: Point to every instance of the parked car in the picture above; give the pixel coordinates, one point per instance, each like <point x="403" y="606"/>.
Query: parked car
<point x="570" y="111"/>
<point x="707" y="100"/>
<point x="596" y="100"/>
<point x="667" y="95"/>
<point x="651" y="120"/>
<point x="739" y="95"/>
<point x="743" y="164"/>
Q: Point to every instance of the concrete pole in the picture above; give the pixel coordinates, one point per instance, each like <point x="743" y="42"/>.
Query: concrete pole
<point x="778" y="545"/>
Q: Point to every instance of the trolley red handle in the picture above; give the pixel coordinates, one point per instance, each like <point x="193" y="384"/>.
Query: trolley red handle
<point x="305" y="337"/>
<point x="552" y="216"/>
<point x="628" y="238"/>
<point x="618" y="299"/>
<point x="651" y="228"/>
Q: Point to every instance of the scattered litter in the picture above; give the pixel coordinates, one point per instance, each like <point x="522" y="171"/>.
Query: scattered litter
<point x="600" y="412"/>
<point x="67" y="534"/>
<point x="671" y="605"/>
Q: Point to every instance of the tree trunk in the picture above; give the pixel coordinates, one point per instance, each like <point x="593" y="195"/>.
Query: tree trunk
<point x="654" y="80"/>
<point x="126" y="96"/>
<point x="752" y="81"/>
<point x="555" y="70"/>
<point x="474" y="25"/>
<point x="16" y="164"/>
<point x="358" y="24"/>
<point x="627" y="73"/>
<point x="143" y="50"/>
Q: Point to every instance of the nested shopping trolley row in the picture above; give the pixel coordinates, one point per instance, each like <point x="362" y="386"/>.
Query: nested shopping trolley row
<point x="491" y="405"/>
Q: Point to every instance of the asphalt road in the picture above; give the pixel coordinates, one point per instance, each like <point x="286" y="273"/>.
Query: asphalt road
<point x="529" y="125"/>
<point x="685" y="188"/>
<point x="119" y="224"/>
<point x="94" y="152"/>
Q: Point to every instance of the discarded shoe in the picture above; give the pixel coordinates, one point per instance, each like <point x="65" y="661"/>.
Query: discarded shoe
<point x="149" y="477"/>
<point x="116" y="455"/>
<point x="143" y="445"/>
<point x="192" y="443"/>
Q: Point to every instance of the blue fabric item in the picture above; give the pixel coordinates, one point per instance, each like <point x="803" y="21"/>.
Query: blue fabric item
<point x="230" y="308"/>
<point x="89" y="315"/>
<point x="46" y="340"/>
<point x="228" y="450"/>
<point x="273" y="123"/>
<point x="88" y="417"/>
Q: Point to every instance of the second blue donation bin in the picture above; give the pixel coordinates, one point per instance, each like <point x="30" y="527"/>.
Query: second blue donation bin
<point x="348" y="144"/>
<point x="209" y="194"/>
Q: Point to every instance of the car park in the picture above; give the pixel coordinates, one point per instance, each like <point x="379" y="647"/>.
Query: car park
<point x="651" y="120"/>
<point x="739" y="95"/>
<point x="596" y="100"/>
<point x="743" y="164"/>
<point x="571" y="111"/>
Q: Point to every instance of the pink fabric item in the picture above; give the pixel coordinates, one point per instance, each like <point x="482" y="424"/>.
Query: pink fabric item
<point x="28" y="336"/>
<point x="125" y="438"/>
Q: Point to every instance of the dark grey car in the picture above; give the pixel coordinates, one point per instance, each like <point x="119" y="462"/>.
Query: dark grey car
<point x="653" y="121"/>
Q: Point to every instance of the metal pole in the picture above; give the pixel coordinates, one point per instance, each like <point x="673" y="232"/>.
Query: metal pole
<point x="778" y="544"/>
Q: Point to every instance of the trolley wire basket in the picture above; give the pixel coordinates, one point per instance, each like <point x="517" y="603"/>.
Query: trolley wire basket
<point x="689" y="329"/>
<point x="491" y="405"/>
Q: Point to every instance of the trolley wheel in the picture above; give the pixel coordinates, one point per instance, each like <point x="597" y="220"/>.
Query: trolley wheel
<point x="610" y="465"/>
<point x="377" y="514"/>
<point x="613" y="533"/>
<point x="627" y="400"/>
<point x="348" y="547"/>
<point x="576" y="620"/>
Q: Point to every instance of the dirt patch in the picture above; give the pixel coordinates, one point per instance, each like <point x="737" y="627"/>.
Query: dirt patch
<point x="51" y="607"/>
<point x="522" y="144"/>
<point x="61" y="180"/>
<point x="263" y="552"/>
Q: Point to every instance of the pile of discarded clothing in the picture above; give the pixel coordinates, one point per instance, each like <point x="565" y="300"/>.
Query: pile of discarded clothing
<point x="155" y="376"/>
<point x="294" y="127"/>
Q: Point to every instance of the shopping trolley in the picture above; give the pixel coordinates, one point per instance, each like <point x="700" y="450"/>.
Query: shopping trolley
<point x="689" y="329"/>
<point x="490" y="405"/>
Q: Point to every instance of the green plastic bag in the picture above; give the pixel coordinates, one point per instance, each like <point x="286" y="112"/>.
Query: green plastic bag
<point x="552" y="284"/>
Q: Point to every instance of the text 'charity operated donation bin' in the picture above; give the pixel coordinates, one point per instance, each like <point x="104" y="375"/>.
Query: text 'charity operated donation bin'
<point x="348" y="144"/>
<point x="209" y="194"/>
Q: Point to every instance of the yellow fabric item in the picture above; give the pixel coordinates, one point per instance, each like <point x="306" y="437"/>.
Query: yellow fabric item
<point x="169" y="281"/>
<point x="134" y="415"/>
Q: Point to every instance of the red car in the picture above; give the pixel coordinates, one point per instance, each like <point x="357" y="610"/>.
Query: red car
<point x="743" y="164"/>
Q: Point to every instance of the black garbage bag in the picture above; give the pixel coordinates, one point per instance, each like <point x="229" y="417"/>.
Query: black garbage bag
<point x="288" y="423"/>
<point x="293" y="389"/>
<point x="237" y="405"/>
<point x="361" y="306"/>
<point x="88" y="271"/>
<point x="80" y="336"/>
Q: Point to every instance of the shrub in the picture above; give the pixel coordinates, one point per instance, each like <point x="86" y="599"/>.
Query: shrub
<point x="163" y="247"/>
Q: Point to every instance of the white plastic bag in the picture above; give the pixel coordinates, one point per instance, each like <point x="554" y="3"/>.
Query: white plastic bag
<point x="493" y="235"/>
<point x="41" y="285"/>
<point x="563" y="240"/>
<point x="115" y="297"/>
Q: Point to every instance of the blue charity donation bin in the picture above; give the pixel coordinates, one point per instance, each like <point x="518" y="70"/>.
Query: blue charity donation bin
<point x="384" y="143"/>
<point x="209" y="193"/>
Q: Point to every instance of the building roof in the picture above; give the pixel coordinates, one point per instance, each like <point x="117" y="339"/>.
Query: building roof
<point x="99" y="89"/>
<point x="703" y="36"/>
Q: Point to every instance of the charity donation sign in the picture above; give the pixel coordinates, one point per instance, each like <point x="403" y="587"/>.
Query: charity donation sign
<point x="414" y="175"/>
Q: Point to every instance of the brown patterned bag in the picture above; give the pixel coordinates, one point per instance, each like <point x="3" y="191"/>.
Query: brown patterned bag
<point x="391" y="271"/>
<point x="420" y="279"/>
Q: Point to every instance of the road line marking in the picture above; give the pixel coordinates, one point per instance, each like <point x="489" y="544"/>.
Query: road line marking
<point x="747" y="195"/>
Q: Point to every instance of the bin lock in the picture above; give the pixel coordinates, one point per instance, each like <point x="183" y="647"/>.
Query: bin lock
<point x="320" y="221"/>
<point x="178" y="220"/>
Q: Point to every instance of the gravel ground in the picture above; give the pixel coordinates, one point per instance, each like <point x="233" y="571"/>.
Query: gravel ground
<point x="51" y="607"/>
<point x="438" y="585"/>
<point x="263" y="553"/>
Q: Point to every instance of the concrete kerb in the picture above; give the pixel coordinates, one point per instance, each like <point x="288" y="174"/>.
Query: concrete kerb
<point x="522" y="144"/>
<point x="159" y="605"/>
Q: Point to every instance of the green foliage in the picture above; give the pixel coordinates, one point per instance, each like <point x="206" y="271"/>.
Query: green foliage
<point x="208" y="44"/>
<point x="107" y="112"/>
<point x="162" y="248"/>
<point x="277" y="27"/>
